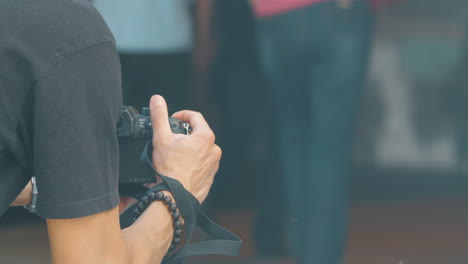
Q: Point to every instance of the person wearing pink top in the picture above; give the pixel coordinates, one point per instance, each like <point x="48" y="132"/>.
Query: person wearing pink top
<point x="266" y="8"/>
<point x="314" y="54"/>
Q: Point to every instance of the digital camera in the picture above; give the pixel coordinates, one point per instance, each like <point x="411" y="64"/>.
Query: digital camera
<point x="136" y="125"/>
<point x="134" y="130"/>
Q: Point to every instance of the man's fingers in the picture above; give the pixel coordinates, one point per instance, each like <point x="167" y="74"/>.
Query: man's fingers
<point x="160" y="120"/>
<point x="196" y="121"/>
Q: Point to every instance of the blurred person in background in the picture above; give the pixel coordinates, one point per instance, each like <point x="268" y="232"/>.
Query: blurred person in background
<point x="314" y="54"/>
<point x="155" y="40"/>
<point x="458" y="95"/>
<point x="232" y="86"/>
<point x="245" y="129"/>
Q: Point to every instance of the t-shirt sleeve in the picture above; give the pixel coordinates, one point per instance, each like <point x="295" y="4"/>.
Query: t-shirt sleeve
<point x="76" y="106"/>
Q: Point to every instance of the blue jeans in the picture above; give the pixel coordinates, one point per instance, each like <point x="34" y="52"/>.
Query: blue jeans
<point x="315" y="60"/>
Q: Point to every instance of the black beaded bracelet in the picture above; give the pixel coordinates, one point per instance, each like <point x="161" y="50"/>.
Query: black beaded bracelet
<point x="159" y="196"/>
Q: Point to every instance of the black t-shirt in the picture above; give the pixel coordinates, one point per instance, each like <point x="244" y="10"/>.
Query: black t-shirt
<point x="60" y="98"/>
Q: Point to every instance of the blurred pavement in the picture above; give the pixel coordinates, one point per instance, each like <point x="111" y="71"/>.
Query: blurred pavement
<point x="391" y="231"/>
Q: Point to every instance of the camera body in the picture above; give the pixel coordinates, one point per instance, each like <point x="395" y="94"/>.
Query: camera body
<point x="134" y="130"/>
<point x="138" y="126"/>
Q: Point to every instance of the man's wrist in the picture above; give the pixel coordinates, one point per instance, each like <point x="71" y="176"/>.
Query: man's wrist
<point x="149" y="238"/>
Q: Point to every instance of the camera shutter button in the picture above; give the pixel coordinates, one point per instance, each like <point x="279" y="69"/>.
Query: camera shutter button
<point x="148" y="124"/>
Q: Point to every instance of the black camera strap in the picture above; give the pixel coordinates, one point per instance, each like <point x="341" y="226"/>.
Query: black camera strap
<point x="222" y="241"/>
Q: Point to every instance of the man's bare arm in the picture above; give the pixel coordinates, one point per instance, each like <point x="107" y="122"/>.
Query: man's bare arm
<point x="193" y="160"/>
<point x="98" y="238"/>
<point x="24" y="197"/>
<point x="92" y="239"/>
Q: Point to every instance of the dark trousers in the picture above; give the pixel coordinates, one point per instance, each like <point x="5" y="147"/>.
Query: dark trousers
<point x="144" y="75"/>
<point x="315" y="60"/>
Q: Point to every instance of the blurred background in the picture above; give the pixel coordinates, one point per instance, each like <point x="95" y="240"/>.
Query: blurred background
<point x="344" y="124"/>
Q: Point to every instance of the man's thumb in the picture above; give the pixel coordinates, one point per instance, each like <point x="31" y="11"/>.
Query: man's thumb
<point x="160" y="120"/>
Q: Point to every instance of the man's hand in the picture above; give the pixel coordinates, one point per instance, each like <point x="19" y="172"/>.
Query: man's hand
<point x="191" y="159"/>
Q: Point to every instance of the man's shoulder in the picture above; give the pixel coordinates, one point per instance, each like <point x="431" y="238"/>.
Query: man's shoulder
<point x="30" y="17"/>
<point x="50" y="30"/>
